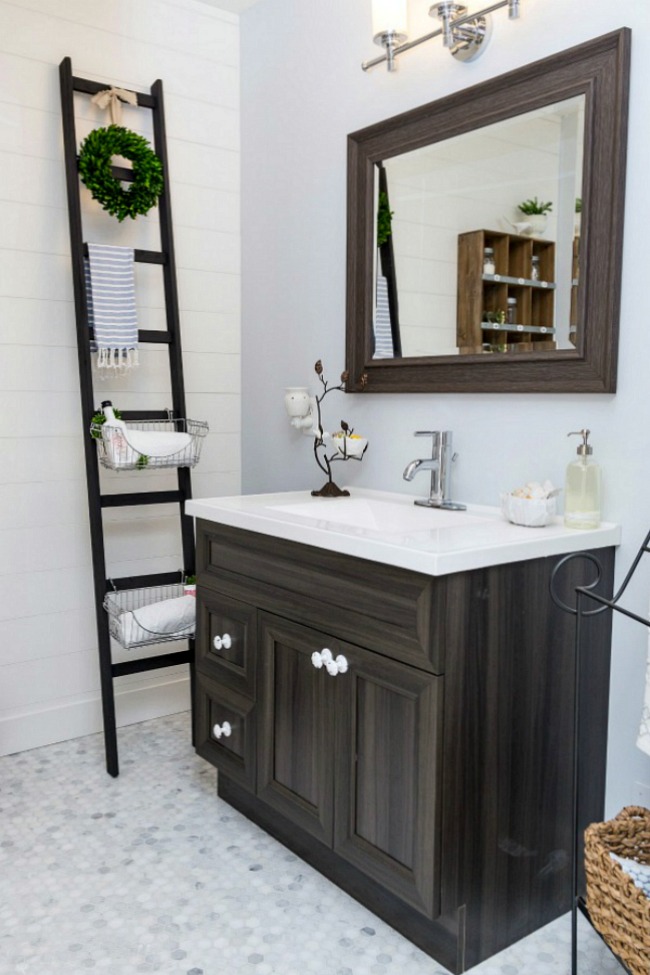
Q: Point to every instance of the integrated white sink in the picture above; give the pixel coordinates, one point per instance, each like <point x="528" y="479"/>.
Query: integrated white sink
<point x="390" y="528"/>
<point x="384" y="516"/>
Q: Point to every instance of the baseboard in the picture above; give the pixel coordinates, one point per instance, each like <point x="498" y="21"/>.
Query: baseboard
<point x="47" y="724"/>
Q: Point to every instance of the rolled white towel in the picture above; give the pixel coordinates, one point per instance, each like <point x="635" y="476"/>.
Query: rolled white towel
<point x="168" y="616"/>
<point x="155" y="444"/>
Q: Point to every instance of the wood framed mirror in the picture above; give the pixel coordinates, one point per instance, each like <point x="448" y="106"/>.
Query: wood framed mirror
<point x="442" y="182"/>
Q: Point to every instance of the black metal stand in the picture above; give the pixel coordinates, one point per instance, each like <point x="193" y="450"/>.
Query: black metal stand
<point x="583" y="593"/>
<point x="171" y="338"/>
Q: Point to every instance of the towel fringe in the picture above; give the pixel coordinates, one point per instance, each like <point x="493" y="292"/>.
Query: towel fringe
<point x="119" y="359"/>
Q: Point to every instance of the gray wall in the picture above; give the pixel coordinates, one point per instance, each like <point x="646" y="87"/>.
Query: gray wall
<point x="302" y="92"/>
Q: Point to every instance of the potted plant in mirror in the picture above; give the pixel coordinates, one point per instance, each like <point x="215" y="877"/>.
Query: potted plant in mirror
<point x="536" y="214"/>
<point x="577" y="223"/>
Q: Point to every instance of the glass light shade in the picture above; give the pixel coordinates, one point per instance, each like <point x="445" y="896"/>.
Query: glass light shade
<point x="389" y="15"/>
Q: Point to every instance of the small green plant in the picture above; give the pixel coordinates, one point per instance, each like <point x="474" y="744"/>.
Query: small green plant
<point x="495" y="317"/>
<point x="578" y="204"/>
<point x="142" y="462"/>
<point x="384" y="219"/>
<point x="530" y="207"/>
<point x="190" y="580"/>
<point x="97" y="419"/>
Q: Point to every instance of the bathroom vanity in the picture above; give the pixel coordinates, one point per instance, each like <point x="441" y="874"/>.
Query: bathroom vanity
<point x="388" y="690"/>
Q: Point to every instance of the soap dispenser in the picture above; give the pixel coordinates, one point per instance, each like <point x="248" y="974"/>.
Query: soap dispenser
<point x="583" y="487"/>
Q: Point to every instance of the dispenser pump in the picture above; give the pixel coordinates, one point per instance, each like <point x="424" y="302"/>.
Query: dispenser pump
<point x="585" y="448"/>
<point x="582" y="492"/>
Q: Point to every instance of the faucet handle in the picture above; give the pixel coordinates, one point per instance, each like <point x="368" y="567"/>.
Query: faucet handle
<point x="445" y="435"/>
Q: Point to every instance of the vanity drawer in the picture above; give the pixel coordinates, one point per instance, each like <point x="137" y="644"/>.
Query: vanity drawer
<point x="368" y="603"/>
<point x="226" y="640"/>
<point x="225" y="730"/>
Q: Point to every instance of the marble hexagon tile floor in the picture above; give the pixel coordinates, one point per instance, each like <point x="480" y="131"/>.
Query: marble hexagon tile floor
<point x="151" y="872"/>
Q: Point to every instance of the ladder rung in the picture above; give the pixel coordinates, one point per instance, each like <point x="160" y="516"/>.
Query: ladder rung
<point x="151" y="663"/>
<point x="154" y="337"/>
<point x="149" y="257"/>
<point x="121" y="173"/>
<point x="142" y="257"/>
<point x="146" y="415"/>
<point x="147" y="497"/>
<point x="143" y="582"/>
<point x="92" y="87"/>
<point x="148" y="336"/>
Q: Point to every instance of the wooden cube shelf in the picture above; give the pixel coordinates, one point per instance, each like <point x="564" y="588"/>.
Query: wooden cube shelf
<point x="483" y="298"/>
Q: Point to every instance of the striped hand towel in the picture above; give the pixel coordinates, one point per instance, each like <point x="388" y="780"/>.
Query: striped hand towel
<point x="383" y="332"/>
<point x="110" y="289"/>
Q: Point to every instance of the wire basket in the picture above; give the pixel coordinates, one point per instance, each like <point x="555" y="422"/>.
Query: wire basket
<point x="619" y="910"/>
<point x="148" y="444"/>
<point x="175" y="621"/>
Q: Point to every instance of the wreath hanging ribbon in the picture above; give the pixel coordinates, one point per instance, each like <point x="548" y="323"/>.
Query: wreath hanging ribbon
<point x="112" y="99"/>
<point x="95" y="168"/>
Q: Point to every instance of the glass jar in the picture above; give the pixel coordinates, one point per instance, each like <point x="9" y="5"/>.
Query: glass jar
<point x="488" y="261"/>
<point x="511" y="313"/>
<point x="534" y="271"/>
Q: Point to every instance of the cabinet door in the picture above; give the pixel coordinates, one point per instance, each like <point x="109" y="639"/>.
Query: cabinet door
<point x="226" y="640"/>
<point x="388" y="764"/>
<point x="225" y="730"/>
<point x="296" y="726"/>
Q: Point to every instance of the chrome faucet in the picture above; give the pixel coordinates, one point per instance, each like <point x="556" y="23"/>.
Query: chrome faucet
<point x="440" y="466"/>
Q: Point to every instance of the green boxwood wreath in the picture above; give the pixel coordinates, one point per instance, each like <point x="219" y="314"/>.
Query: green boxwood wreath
<point x="95" y="162"/>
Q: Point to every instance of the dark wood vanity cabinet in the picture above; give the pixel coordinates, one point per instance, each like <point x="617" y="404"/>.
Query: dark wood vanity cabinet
<point x="354" y="759"/>
<point x="432" y="776"/>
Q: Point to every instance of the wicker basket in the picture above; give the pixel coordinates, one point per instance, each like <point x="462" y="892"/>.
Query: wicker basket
<point x="619" y="910"/>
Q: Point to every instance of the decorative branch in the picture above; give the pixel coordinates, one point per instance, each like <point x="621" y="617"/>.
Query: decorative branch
<point x="330" y="489"/>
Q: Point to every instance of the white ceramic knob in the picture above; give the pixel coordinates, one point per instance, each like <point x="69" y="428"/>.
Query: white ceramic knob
<point x="324" y="657"/>
<point x="222" y="642"/>
<point x="224" y="730"/>
<point x="337" y="666"/>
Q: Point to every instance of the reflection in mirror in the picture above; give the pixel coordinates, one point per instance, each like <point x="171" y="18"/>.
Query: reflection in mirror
<point x="460" y="269"/>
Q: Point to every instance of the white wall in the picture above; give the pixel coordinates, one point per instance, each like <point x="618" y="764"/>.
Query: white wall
<point x="48" y="659"/>
<point x="472" y="182"/>
<point x="302" y="92"/>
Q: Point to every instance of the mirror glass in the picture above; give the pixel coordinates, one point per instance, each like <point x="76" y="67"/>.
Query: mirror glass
<point x="455" y="281"/>
<point x="460" y="268"/>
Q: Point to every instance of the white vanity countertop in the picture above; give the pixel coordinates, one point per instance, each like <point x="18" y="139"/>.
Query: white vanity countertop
<point x="390" y="528"/>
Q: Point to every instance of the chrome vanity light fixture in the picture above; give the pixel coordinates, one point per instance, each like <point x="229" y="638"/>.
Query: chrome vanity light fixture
<point x="389" y="27"/>
<point x="464" y="34"/>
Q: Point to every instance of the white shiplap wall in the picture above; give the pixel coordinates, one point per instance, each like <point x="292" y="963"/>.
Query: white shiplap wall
<point x="49" y="685"/>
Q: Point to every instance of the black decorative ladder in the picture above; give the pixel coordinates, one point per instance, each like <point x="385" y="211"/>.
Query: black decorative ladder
<point x="171" y="337"/>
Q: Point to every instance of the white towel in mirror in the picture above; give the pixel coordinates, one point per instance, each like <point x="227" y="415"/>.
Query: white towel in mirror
<point x="643" y="741"/>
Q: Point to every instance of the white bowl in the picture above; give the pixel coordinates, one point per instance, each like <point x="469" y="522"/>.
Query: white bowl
<point x="530" y="512"/>
<point x="350" y="446"/>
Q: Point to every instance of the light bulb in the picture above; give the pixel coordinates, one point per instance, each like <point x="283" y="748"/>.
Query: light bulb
<point x="389" y="15"/>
